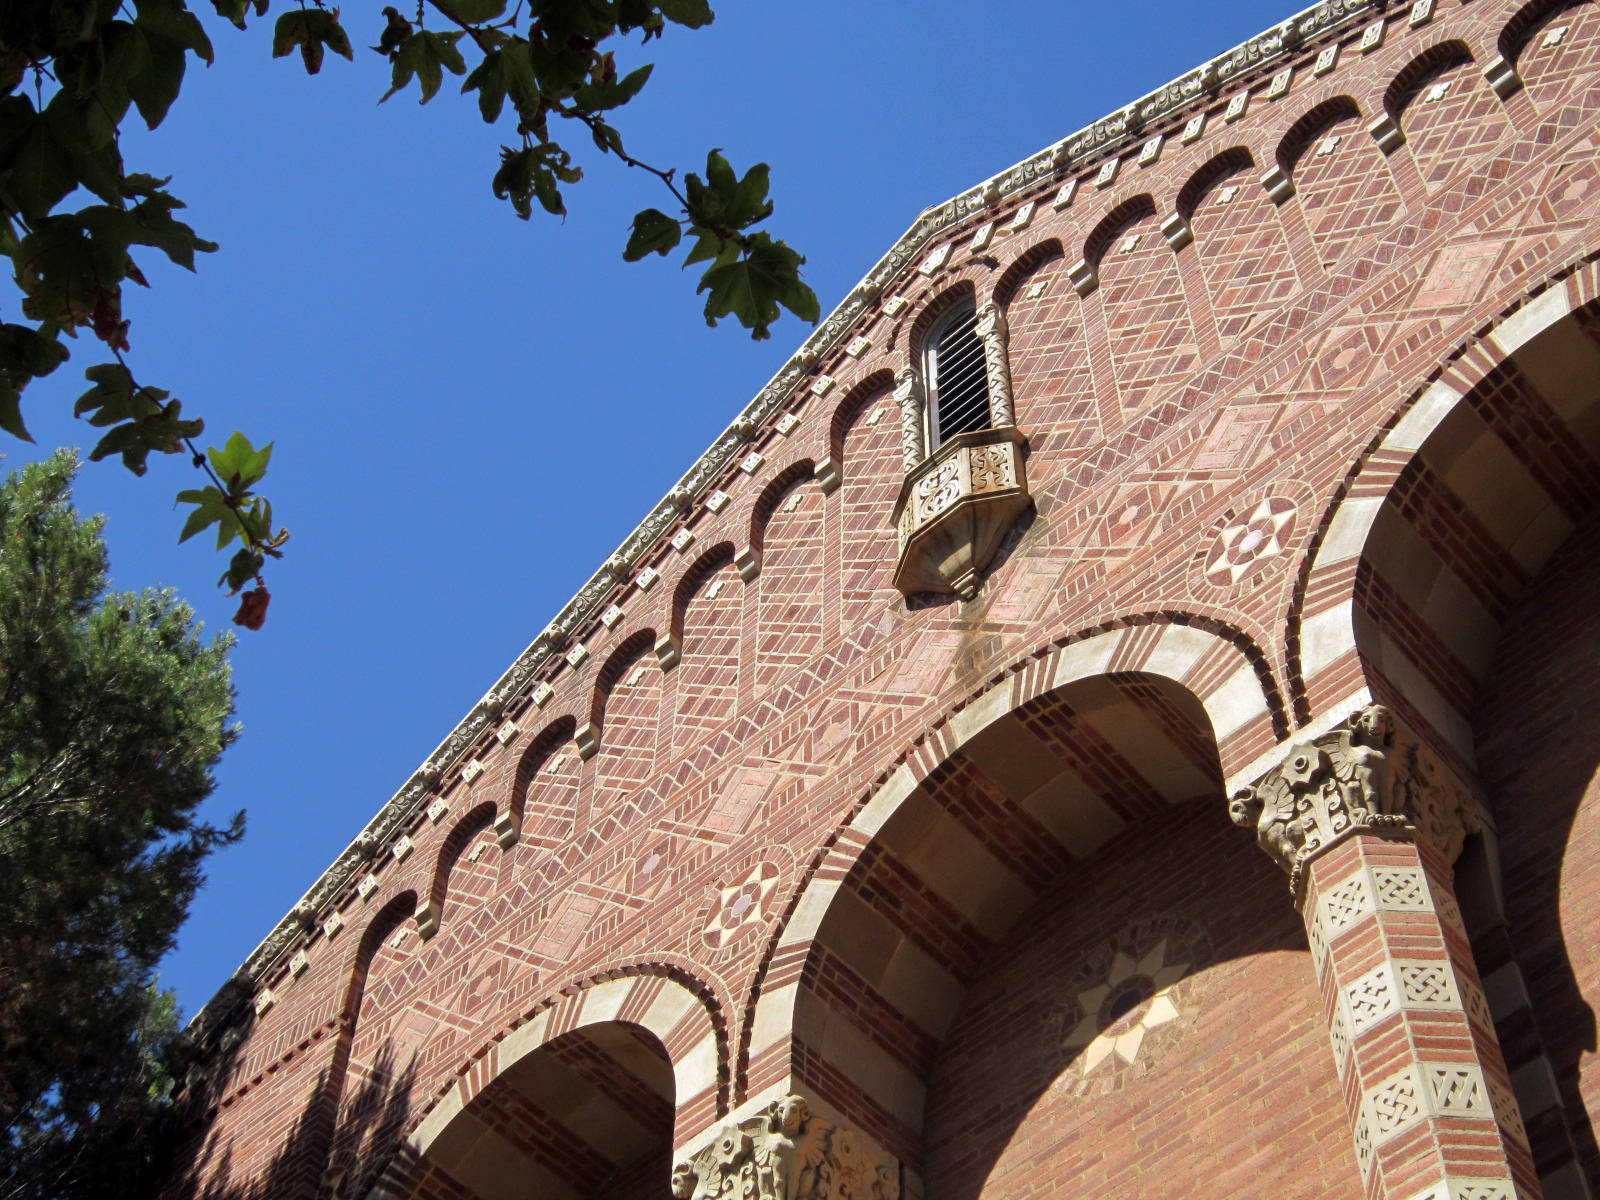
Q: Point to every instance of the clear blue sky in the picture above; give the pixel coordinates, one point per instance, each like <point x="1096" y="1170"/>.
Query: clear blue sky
<point x="471" y="412"/>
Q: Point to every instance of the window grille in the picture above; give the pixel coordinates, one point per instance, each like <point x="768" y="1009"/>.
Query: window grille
<point x="957" y="377"/>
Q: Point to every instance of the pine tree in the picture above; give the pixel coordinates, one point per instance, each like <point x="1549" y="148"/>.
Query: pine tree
<point x="113" y="712"/>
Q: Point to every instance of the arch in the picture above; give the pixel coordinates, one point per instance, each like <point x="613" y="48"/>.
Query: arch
<point x="1448" y="112"/>
<point x="430" y="916"/>
<point x="792" y="476"/>
<point x="628" y="652"/>
<point x="324" y="1151"/>
<point x="1518" y="31"/>
<point x="789" y="599"/>
<point x="1299" y="136"/>
<point x="1441" y="56"/>
<point x="1330" y="631"/>
<point x="534" y="755"/>
<point x="849" y="408"/>
<point x="626" y="736"/>
<point x="960" y="291"/>
<point x="1548" y="70"/>
<point x="1013" y="792"/>
<point x="672" y="1005"/>
<point x="1226" y="673"/>
<point x="710" y="561"/>
<point x="1239" y="240"/>
<point x="1106" y="229"/>
<point x="873" y="453"/>
<point x="1210" y="173"/>
<point x="1023" y="265"/>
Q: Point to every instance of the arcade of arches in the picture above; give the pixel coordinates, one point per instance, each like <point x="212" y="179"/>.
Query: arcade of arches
<point x="1217" y="816"/>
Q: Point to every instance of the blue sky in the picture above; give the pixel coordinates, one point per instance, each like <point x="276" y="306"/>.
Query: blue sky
<point x="471" y="412"/>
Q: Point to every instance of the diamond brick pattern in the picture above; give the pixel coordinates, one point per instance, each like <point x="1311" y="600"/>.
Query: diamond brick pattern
<point x="1243" y="251"/>
<point x="1150" y="334"/>
<point x="1346" y="193"/>
<point x="1464" y="125"/>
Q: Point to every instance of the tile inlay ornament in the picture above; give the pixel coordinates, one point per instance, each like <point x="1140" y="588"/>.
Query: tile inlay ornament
<point x="1250" y="540"/>
<point x="741" y="907"/>
<point x="1127" y="1005"/>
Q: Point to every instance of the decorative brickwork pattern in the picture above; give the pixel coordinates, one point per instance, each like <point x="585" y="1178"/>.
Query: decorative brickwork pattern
<point x="1292" y="450"/>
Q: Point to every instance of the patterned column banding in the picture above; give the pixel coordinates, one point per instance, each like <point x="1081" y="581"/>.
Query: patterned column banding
<point x="1367" y="825"/>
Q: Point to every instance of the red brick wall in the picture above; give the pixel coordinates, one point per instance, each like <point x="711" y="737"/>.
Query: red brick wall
<point x="1260" y="361"/>
<point x="1241" y="1100"/>
<point x="1540" y="762"/>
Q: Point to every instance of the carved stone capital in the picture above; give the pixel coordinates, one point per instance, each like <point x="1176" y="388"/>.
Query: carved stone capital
<point x="785" y="1152"/>
<point x="1363" y="776"/>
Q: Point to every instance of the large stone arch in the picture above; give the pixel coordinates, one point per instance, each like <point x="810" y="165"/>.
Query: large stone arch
<point x="1150" y="689"/>
<point x="1337" y="655"/>
<point x="1434" y="587"/>
<point x="609" y="1073"/>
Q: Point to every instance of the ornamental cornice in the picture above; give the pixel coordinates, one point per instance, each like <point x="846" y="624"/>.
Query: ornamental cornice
<point x="1112" y="134"/>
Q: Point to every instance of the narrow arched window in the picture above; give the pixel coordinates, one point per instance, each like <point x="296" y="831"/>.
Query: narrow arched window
<point x="957" y="377"/>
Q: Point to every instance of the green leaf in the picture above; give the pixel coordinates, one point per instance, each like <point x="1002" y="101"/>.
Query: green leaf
<point x="171" y="21"/>
<point x="310" y="29"/>
<point x="689" y="13"/>
<point x="113" y="399"/>
<point x="25" y="355"/>
<point x="36" y="167"/>
<point x="242" y="568"/>
<point x="505" y="71"/>
<point x="534" y="172"/>
<point x="653" y="233"/>
<point x="426" y="55"/>
<point x="753" y="287"/>
<point x="211" y="508"/>
<point x="239" y="463"/>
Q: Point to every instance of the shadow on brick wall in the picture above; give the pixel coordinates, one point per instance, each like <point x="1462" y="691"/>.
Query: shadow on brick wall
<point x="371" y="1112"/>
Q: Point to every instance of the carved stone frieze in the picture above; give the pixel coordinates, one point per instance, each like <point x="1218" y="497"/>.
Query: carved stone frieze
<point x="1363" y="776"/>
<point x="785" y="1152"/>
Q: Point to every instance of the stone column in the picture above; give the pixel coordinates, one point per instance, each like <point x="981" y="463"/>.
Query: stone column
<point x="991" y="329"/>
<point x="913" y="403"/>
<point x="785" y="1152"/>
<point x="1367" y="824"/>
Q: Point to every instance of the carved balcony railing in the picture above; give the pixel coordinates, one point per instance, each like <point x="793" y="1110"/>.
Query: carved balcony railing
<point x="956" y="507"/>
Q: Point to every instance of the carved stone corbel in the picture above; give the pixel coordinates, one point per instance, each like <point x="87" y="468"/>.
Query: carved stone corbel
<point x="913" y="402"/>
<point x="1363" y="776"/>
<point x="991" y="331"/>
<point x="785" y="1152"/>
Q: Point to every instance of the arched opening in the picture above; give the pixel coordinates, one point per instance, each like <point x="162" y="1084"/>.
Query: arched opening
<point x="586" y="1116"/>
<point x="1473" y="602"/>
<point x="1048" y="934"/>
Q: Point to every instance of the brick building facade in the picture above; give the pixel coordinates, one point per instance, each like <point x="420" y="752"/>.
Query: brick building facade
<point x="1178" y="783"/>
